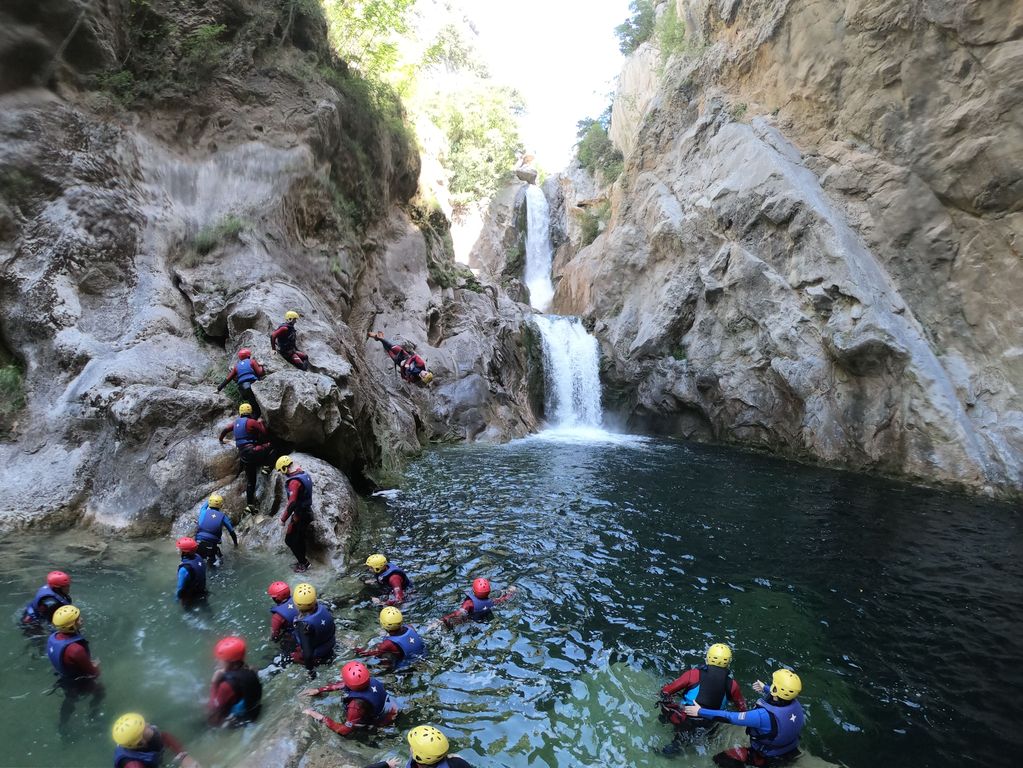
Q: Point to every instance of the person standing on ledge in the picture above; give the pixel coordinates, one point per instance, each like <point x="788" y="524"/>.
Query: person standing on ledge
<point x="255" y="449"/>
<point x="236" y="694"/>
<point x="429" y="748"/>
<point x="56" y="592"/>
<point x="140" y="745"/>
<point x="391" y="578"/>
<point x="298" y="514"/>
<point x="285" y="342"/>
<point x="209" y="529"/>
<point x="411" y="366"/>
<point x="191" y="572"/>
<point x="246" y="372"/>
<point x="366" y="702"/>
<point x="774" y="724"/>
<point x="478" y="604"/>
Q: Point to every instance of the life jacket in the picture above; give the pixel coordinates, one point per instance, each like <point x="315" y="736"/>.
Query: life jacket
<point x="243" y="370"/>
<point x="287" y="611"/>
<point x="374" y="694"/>
<point x="196" y="567"/>
<point x="246" y="684"/>
<point x="411" y="644"/>
<point x="305" y="498"/>
<point x="150" y="754"/>
<point x="242" y="436"/>
<point x="442" y="764"/>
<point x="786" y="725"/>
<point x="34" y="610"/>
<point x="321" y="634"/>
<point x="389" y="572"/>
<point x="712" y="690"/>
<point x="210" y="526"/>
<point x="55" y="651"/>
<point x="288" y="340"/>
<point x="481" y="609"/>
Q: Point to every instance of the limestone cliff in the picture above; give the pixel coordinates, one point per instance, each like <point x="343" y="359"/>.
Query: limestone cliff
<point x="815" y="245"/>
<point x="175" y="176"/>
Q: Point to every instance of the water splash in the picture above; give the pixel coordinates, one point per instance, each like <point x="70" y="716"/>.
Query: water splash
<point x="571" y="364"/>
<point x="539" y="256"/>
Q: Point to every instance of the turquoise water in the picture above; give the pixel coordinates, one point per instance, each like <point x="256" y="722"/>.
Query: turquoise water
<point x="899" y="607"/>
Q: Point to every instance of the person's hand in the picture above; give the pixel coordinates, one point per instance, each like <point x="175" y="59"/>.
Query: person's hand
<point x="218" y="676"/>
<point x="220" y="440"/>
<point x="309" y="692"/>
<point x="358" y="651"/>
<point x="512" y="589"/>
<point x="188" y="762"/>
<point x="758" y="687"/>
<point x="376" y="601"/>
<point x="692" y="710"/>
<point x="395" y="762"/>
<point x="220" y="388"/>
<point x="313" y="714"/>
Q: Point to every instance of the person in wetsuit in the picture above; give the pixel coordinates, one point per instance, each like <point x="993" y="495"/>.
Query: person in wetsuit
<point x="478" y="604"/>
<point x="428" y="747"/>
<point x="55" y="593"/>
<point x="236" y="694"/>
<point x="366" y="701"/>
<point x="140" y="745"/>
<point x="284" y="341"/>
<point x="191" y="586"/>
<point x="209" y="529"/>
<point x="256" y="449"/>
<point x="774" y="725"/>
<point x="409" y="365"/>
<point x="77" y="671"/>
<point x="401" y="646"/>
<point x="315" y="633"/>
<point x="283" y="615"/>
<point x="247" y="371"/>
<point x="392" y="579"/>
<point x="298" y="513"/>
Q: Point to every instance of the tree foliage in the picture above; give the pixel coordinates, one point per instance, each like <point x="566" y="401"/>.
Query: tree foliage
<point x="595" y="150"/>
<point x="366" y="33"/>
<point x="638" y="28"/>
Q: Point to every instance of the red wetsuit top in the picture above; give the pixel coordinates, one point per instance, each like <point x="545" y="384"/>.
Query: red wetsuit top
<point x="463" y="613"/>
<point x="257" y="369"/>
<point x="77" y="660"/>
<point x="257" y="430"/>
<point x="283" y="329"/>
<point x="169" y="743"/>
<point x="357" y="713"/>
<point x="397" y="585"/>
<point x="278" y="625"/>
<point x="223" y="696"/>
<point x="691" y="678"/>
<point x="383" y="648"/>
<point x="294" y="486"/>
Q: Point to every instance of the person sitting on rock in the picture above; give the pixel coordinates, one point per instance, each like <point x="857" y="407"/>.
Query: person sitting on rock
<point x="236" y="694"/>
<point x="389" y="577"/>
<point x="409" y="365"/>
<point x="366" y="701"/>
<point x="191" y="572"/>
<point x="429" y="747"/>
<point x="282" y="616"/>
<point x="478" y="604"/>
<point x="246" y="372"/>
<point x="140" y="745"/>
<point x="55" y="593"/>
<point x="209" y="529"/>
<point x="285" y="342"/>
<point x="298" y="514"/>
<point x="255" y="449"/>
<point x="315" y="633"/>
<point x="401" y="646"/>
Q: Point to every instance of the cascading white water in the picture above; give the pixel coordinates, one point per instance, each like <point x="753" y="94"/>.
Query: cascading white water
<point x="539" y="257"/>
<point x="571" y="363"/>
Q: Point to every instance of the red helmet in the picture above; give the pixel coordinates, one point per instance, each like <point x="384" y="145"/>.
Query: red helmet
<point x="355" y="675"/>
<point x="279" y="590"/>
<point x="230" y="649"/>
<point x="244" y="353"/>
<point x="187" y="544"/>
<point x="481" y="588"/>
<point x="58" y="580"/>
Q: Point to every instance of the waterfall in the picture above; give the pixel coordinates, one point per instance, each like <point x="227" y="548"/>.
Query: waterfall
<point x="539" y="257"/>
<point x="571" y="364"/>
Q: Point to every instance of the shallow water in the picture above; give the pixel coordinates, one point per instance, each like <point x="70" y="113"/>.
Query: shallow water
<point x="899" y="607"/>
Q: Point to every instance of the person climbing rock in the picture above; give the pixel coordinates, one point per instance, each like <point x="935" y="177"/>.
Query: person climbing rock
<point x="56" y="592"/>
<point x="774" y="724"/>
<point x="478" y="604"/>
<point x="401" y="645"/>
<point x="236" y="694"/>
<point x="285" y="342"/>
<point x="710" y="685"/>
<point x="209" y="529"/>
<point x="77" y="671"/>
<point x="409" y="365"/>
<point x="191" y="572"/>
<point x="246" y="372"/>
<point x="298" y="513"/>
<point x="282" y="615"/>
<point x="314" y="629"/>
<point x="389" y="577"/>
<point x="255" y="449"/>
<point x="428" y="747"/>
<point x="366" y="701"/>
<point x="141" y="745"/>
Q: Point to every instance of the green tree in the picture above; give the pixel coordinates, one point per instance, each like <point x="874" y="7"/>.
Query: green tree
<point x="638" y="28"/>
<point x="595" y="150"/>
<point x="366" y="33"/>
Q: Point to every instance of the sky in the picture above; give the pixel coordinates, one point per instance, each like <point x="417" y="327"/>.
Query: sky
<point x="562" y="56"/>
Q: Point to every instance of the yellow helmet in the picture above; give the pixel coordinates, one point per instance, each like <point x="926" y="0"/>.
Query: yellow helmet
<point x="216" y="501"/>
<point x="65" y="617"/>
<point x="291" y="315"/>
<point x="129" y="730"/>
<point x="429" y="746"/>
<point x="304" y="596"/>
<point x="391" y="618"/>
<point x="376" y="563"/>
<point x="283" y="463"/>
<point x="245" y="409"/>
<point x="719" y="655"/>
<point x="426" y="377"/>
<point x="785" y="685"/>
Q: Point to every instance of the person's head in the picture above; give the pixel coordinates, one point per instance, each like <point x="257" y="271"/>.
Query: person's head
<point x="279" y="591"/>
<point x="425" y="376"/>
<point x="377" y="563"/>
<point x="244" y="353"/>
<point x="284" y="464"/>
<point x="428" y="745"/>
<point x="245" y="409"/>
<point x="230" y="652"/>
<point x="305" y="598"/>
<point x="216" y="501"/>
<point x="187" y="546"/>
<point x="355" y="676"/>
<point x="131" y="731"/>
<point x="785" y="685"/>
<point x="719" y="655"/>
<point x="391" y="619"/>
<point x="291" y="316"/>
<point x="67" y="619"/>
<point x="58" y="581"/>
<point x="481" y="588"/>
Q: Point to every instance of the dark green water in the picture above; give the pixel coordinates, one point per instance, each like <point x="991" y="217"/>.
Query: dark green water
<point x="900" y="608"/>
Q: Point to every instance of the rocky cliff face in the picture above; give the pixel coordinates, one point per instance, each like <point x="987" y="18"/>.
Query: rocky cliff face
<point x="173" y="178"/>
<point x="815" y="246"/>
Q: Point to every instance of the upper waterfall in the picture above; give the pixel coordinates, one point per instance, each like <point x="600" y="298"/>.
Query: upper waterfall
<point x="539" y="256"/>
